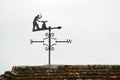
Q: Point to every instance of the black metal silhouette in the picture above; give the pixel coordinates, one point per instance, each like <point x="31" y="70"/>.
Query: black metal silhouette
<point x="44" y="25"/>
<point x="35" y="24"/>
<point x="49" y="41"/>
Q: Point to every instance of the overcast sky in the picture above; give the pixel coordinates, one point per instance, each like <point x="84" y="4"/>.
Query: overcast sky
<point x="93" y="26"/>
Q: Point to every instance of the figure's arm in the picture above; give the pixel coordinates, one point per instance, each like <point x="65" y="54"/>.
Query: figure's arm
<point x="38" y="20"/>
<point x="40" y="16"/>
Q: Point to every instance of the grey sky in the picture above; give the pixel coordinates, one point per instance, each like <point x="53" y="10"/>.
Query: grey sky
<point x="93" y="25"/>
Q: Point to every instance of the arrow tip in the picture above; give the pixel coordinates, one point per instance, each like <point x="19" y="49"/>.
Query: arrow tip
<point x="59" y="27"/>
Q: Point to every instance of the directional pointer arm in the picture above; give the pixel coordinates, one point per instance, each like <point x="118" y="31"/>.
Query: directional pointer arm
<point x="67" y="41"/>
<point x="31" y="41"/>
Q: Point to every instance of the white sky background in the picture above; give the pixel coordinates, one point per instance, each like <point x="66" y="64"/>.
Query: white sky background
<point x="93" y="26"/>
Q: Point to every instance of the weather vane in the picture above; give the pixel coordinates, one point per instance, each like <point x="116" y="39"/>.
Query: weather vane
<point x="49" y="41"/>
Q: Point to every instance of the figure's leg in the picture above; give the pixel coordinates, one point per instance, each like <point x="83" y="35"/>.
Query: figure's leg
<point x="37" y="26"/>
<point x="33" y="27"/>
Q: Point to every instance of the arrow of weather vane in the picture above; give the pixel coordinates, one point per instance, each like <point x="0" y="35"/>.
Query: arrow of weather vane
<point x="49" y="41"/>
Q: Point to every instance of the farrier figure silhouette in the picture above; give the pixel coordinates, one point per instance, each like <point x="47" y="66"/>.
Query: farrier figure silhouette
<point x="35" y="24"/>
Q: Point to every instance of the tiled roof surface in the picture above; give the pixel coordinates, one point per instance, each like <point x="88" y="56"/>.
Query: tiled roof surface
<point x="63" y="72"/>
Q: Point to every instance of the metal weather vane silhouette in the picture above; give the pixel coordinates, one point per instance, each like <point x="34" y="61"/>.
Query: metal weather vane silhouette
<point x="49" y="41"/>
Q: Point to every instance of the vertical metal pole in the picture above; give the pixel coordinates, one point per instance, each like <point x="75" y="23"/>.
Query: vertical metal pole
<point x="49" y="45"/>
